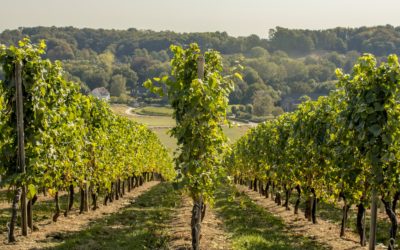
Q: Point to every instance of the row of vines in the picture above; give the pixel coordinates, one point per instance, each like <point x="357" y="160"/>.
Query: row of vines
<point x="344" y="146"/>
<point x="198" y="93"/>
<point x="70" y="140"/>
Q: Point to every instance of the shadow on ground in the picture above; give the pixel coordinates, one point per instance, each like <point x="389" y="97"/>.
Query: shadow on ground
<point x="252" y="227"/>
<point x="140" y="225"/>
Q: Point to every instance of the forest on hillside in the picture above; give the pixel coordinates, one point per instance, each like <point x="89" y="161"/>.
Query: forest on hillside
<point x="278" y="70"/>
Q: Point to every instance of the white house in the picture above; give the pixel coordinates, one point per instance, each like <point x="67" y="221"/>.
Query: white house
<point x="101" y="93"/>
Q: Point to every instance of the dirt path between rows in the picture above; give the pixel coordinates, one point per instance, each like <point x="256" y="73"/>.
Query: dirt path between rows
<point x="73" y="223"/>
<point x="213" y="235"/>
<point x="324" y="232"/>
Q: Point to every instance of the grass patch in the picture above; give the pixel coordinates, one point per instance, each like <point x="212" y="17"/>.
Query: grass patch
<point x="156" y="111"/>
<point x="137" y="226"/>
<point x="252" y="227"/>
<point x="169" y="142"/>
<point x="4" y="195"/>
<point x="149" y="120"/>
<point x="235" y="132"/>
<point x="232" y="133"/>
<point x="154" y="121"/>
<point x="5" y="217"/>
<point x="119" y="109"/>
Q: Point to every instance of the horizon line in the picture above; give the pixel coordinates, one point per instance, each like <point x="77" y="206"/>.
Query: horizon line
<point x="188" y="32"/>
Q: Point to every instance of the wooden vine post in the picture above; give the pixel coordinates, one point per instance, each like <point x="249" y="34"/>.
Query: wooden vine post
<point x="21" y="143"/>
<point x="198" y="203"/>
<point x="200" y="67"/>
<point x="374" y="215"/>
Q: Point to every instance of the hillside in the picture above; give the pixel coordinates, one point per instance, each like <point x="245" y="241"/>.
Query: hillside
<point x="278" y="70"/>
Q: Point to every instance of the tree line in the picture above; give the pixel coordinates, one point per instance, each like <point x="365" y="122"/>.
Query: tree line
<point x="278" y="70"/>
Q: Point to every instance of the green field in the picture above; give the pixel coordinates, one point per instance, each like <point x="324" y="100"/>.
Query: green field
<point x="149" y="120"/>
<point x="166" y="139"/>
<point x="235" y="132"/>
<point x="158" y="111"/>
<point x="161" y="124"/>
<point x="154" y="121"/>
<point x="232" y="133"/>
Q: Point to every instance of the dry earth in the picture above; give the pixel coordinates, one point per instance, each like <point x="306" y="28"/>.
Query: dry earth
<point x="213" y="235"/>
<point x="324" y="231"/>
<point x="48" y="230"/>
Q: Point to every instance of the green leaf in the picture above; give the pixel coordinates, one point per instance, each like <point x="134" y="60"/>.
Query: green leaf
<point x="375" y="130"/>
<point x="148" y="84"/>
<point x="239" y="76"/>
<point x="31" y="191"/>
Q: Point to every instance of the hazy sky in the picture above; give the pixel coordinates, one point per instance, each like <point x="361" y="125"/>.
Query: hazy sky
<point x="237" y="17"/>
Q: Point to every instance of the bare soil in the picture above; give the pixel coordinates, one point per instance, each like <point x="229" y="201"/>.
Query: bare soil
<point x="324" y="231"/>
<point x="48" y="230"/>
<point x="213" y="235"/>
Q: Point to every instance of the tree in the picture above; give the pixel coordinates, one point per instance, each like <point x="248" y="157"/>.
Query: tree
<point x="96" y="77"/>
<point x="257" y="52"/>
<point x="252" y="90"/>
<point x="234" y="110"/>
<point x="130" y="75"/>
<point x="291" y="41"/>
<point x="118" y="85"/>
<point x="263" y="104"/>
<point x="296" y="70"/>
<point x="251" y="76"/>
<point x="277" y="111"/>
<point x="59" y="50"/>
